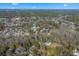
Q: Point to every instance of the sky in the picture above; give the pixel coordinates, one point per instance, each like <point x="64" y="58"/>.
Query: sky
<point x="39" y="5"/>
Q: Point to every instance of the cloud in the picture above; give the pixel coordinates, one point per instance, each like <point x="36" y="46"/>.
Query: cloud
<point x="14" y="3"/>
<point x="12" y="7"/>
<point x="33" y="7"/>
<point x="65" y="5"/>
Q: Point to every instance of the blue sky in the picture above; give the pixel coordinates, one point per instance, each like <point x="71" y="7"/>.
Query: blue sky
<point x="39" y="5"/>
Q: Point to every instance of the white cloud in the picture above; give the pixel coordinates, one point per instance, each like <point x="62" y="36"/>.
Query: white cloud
<point x="65" y="5"/>
<point x="33" y="7"/>
<point x="14" y="3"/>
<point x="12" y="7"/>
